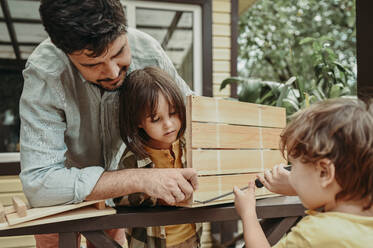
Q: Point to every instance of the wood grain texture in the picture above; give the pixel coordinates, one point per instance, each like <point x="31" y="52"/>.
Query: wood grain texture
<point x="36" y="213"/>
<point x="213" y="186"/>
<point x="80" y="213"/>
<point x="206" y="109"/>
<point x="206" y="135"/>
<point x="20" y="206"/>
<point x="214" y="162"/>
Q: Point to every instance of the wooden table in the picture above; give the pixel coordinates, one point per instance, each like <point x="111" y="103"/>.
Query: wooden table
<point x="280" y="213"/>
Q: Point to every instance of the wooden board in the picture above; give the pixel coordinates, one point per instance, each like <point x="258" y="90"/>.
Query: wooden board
<point x="36" y="213"/>
<point x="206" y="135"/>
<point x="207" y="109"/>
<point x="213" y="186"/>
<point x="228" y="142"/>
<point x="81" y="213"/>
<point x="213" y="162"/>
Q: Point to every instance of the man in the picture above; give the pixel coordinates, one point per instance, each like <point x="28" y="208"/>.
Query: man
<point x="70" y="141"/>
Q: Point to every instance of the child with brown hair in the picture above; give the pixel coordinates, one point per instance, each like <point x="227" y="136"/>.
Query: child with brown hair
<point x="152" y="124"/>
<point x="330" y="147"/>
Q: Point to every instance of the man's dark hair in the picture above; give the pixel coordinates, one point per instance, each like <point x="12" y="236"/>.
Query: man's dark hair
<point x="75" y="25"/>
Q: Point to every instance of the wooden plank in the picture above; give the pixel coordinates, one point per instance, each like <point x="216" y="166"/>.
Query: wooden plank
<point x="101" y="239"/>
<point x="213" y="162"/>
<point x="206" y="109"/>
<point x="206" y="135"/>
<point x="221" y="6"/>
<point x="81" y="213"/>
<point x="221" y="18"/>
<point x="221" y="93"/>
<point x="221" y="30"/>
<point x="221" y="42"/>
<point x="36" y="213"/>
<point x="2" y="214"/>
<point x="218" y="77"/>
<point x="221" y="54"/>
<point x="6" y="198"/>
<point x="221" y="66"/>
<point x="68" y="240"/>
<point x="212" y="186"/>
<point x="17" y="241"/>
<point x="188" y="131"/>
<point x="10" y="184"/>
<point x="20" y="206"/>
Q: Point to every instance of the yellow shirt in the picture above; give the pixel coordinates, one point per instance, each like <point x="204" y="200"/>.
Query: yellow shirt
<point x="175" y="234"/>
<point x="330" y="230"/>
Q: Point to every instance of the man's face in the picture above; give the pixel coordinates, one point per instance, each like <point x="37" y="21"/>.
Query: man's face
<point x="107" y="70"/>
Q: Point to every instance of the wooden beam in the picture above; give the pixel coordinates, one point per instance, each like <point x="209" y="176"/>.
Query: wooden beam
<point x="101" y="239"/>
<point x="212" y="162"/>
<point x="215" y="136"/>
<point x="364" y="43"/>
<point x="171" y="28"/>
<point x="11" y="30"/>
<point x="206" y="109"/>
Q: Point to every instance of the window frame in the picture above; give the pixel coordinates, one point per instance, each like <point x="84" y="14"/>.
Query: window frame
<point x="197" y="31"/>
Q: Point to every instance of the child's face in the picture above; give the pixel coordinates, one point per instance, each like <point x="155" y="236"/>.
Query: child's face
<point x="305" y="180"/>
<point x="164" y="127"/>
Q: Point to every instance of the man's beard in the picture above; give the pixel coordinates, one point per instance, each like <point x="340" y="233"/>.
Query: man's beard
<point x="108" y="90"/>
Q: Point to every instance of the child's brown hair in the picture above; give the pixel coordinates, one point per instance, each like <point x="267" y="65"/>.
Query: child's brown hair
<point x="340" y="130"/>
<point x="139" y="99"/>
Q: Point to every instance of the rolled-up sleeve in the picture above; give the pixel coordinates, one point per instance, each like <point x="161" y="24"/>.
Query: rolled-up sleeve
<point x="45" y="178"/>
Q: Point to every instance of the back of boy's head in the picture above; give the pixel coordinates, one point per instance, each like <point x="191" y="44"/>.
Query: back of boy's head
<point x="139" y="100"/>
<point x="340" y="130"/>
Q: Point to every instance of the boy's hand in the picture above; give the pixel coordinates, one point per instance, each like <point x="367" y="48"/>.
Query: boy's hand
<point x="245" y="201"/>
<point x="277" y="180"/>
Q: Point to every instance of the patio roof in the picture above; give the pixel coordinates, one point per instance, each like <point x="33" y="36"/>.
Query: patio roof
<point x="21" y="31"/>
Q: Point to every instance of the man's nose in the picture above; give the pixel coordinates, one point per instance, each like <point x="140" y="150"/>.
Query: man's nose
<point x="112" y="70"/>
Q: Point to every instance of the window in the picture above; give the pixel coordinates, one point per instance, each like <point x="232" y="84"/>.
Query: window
<point x="178" y="28"/>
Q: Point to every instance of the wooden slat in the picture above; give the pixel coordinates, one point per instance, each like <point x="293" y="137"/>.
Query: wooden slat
<point x="208" y="109"/>
<point x="206" y="135"/>
<point x="36" y="213"/>
<point x="221" y="42"/>
<point x="80" y="213"/>
<point x="213" y="186"/>
<point x="214" y="162"/>
<point x="6" y="198"/>
<point x="221" y="6"/>
<point x="219" y="77"/>
<point x="17" y="241"/>
<point x="221" y="18"/>
<point x="221" y="66"/>
<point x="221" y="54"/>
<point x="10" y="184"/>
<point x="221" y="30"/>
<point x="20" y="206"/>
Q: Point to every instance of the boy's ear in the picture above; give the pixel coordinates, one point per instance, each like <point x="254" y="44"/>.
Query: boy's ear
<point x="326" y="171"/>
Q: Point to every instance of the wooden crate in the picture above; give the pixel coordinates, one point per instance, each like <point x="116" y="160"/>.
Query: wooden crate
<point x="228" y="143"/>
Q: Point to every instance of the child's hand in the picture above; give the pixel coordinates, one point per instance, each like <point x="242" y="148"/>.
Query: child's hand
<point x="277" y="180"/>
<point x="245" y="201"/>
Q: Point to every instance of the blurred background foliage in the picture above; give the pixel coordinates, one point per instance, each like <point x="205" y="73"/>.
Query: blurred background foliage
<point x="296" y="52"/>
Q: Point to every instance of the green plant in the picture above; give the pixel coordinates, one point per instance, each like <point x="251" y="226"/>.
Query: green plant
<point x="331" y="79"/>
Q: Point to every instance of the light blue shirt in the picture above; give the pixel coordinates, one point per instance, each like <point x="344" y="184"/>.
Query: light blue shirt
<point x="69" y="131"/>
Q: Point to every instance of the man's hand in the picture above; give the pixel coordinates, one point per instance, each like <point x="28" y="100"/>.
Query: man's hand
<point x="171" y="185"/>
<point x="277" y="180"/>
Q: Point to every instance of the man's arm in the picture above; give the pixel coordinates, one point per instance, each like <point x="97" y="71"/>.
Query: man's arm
<point x="170" y="185"/>
<point x="46" y="181"/>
